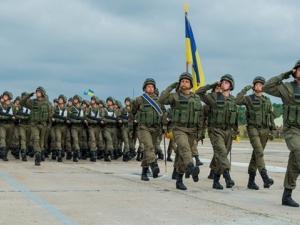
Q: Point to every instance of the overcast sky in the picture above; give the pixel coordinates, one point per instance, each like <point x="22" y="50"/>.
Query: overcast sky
<point x="112" y="46"/>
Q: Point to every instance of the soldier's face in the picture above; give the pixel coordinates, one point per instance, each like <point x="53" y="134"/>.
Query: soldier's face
<point x="297" y="73"/>
<point x="127" y="103"/>
<point x="5" y="98"/>
<point x="185" y="84"/>
<point x="149" y="89"/>
<point x="17" y="103"/>
<point x="109" y="103"/>
<point x="60" y="101"/>
<point x="38" y="94"/>
<point x="75" y="101"/>
<point x="93" y="102"/>
<point x="258" y="87"/>
<point x="225" y="85"/>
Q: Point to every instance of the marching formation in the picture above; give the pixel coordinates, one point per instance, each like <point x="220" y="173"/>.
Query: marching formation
<point x="74" y="129"/>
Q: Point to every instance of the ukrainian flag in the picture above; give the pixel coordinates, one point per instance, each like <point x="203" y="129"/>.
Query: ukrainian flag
<point x="192" y="56"/>
<point x="89" y="93"/>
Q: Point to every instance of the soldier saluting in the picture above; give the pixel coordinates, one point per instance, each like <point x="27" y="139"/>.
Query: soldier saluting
<point x="289" y="92"/>
<point x="222" y="123"/>
<point x="187" y="122"/>
<point x="40" y="118"/>
<point x="260" y="122"/>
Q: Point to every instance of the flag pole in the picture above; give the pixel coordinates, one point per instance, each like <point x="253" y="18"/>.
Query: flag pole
<point x="186" y="9"/>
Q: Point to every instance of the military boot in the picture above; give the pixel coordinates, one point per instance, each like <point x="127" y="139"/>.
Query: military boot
<point x="100" y="154"/>
<point x="126" y="157"/>
<point x="69" y="155"/>
<point x="174" y="174"/>
<point x="4" y="154"/>
<point x="169" y="159"/>
<point x="287" y="198"/>
<point x="107" y="157"/>
<point x="37" y="158"/>
<point x="59" y="156"/>
<point x="23" y="155"/>
<point x="54" y="154"/>
<point x="192" y="170"/>
<point x="93" y="156"/>
<point x="179" y="183"/>
<point x="216" y="184"/>
<point x="268" y="182"/>
<point x="211" y="175"/>
<point x="132" y="153"/>
<point x="144" y="176"/>
<point x="228" y="180"/>
<point x="198" y="161"/>
<point x="43" y="155"/>
<point x="251" y="182"/>
<point x="75" y="156"/>
<point x="160" y="155"/>
<point x="139" y="156"/>
<point x="155" y="169"/>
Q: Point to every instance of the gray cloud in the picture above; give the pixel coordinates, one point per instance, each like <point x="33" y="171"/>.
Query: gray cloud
<point x="112" y="46"/>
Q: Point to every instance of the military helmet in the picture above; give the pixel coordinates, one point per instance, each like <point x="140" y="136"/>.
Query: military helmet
<point x="229" y="78"/>
<point x="63" y="97"/>
<point x="187" y="76"/>
<point x="18" y="98"/>
<point x="101" y="102"/>
<point x="8" y="94"/>
<point x="149" y="81"/>
<point x="42" y="90"/>
<point x="78" y="98"/>
<point x="70" y="99"/>
<point x="127" y="99"/>
<point x="110" y="99"/>
<point x="55" y="100"/>
<point x="86" y="102"/>
<point x="95" y="98"/>
<point x="259" y="79"/>
<point x="297" y="64"/>
<point x="24" y="94"/>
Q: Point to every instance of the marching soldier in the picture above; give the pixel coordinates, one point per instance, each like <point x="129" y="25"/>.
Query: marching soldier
<point x="6" y="123"/>
<point x="60" y="126"/>
<point x="222" y="120"/>
<point x="147" y="112"/>
<point x="260" y="123"/>
<point x="187" y="120"/>
<point x="77" y="117"/>
<point x="289" y="92"/>
<point x="22" y="115"/>
<point x="94" y="131"/>
<point x="40" y="118"/>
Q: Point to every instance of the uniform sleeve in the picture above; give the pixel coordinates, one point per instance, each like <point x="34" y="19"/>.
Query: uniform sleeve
<point x="275" y="86"/>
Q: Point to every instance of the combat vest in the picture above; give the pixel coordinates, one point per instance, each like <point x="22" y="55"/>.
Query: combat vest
<point x="291" y="110"/>
<point x="76" y="115"/>
<point x="94" y="115"/>
<point x="40" y="111"/>
<point x="60" y="115"/>
<point x="147" y="115"/>
<point x="23" y="115"/>
<point x="187" y="111"/>
<point x="223" y="114"/>
<point x="6" y="113"/>
<point x="259" y="112"/>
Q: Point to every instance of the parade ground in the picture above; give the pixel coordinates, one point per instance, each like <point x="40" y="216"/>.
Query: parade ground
<point x="112" y="193"/>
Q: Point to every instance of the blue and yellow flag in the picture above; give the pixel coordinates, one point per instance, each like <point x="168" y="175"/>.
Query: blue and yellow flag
<point x="192" y="55"/>
<point x="89" y="93"/>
